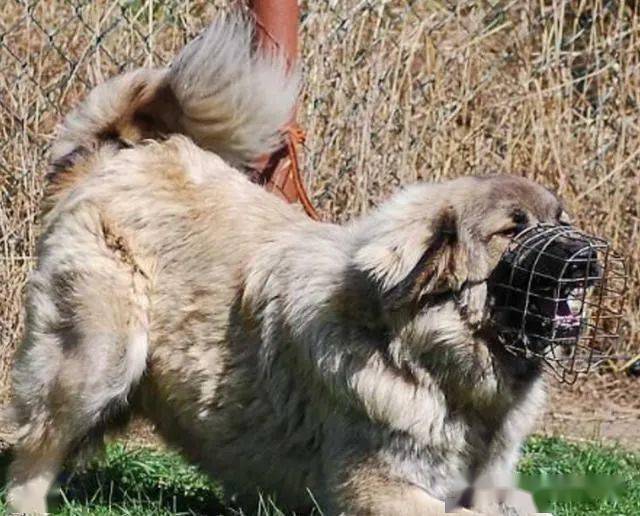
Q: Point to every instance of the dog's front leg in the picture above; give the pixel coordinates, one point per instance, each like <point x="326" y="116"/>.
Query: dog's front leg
<point x="495" y="492"/>
<point x="495" y="489"/>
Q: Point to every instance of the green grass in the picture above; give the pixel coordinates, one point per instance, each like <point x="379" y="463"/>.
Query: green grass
<point x="581" y="479"/>
<point x="137" y="481"/>
<point x="141" y="482"/>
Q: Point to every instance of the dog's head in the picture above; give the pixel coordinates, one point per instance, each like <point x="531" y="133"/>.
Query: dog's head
<point x="492" y="258"/>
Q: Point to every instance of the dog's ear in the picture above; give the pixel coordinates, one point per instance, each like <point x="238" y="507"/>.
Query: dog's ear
<point x="404" y="266"/>
<point x="441" y="267"/>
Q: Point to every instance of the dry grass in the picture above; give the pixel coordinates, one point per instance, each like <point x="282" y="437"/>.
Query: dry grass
<point x="394" y="92"/>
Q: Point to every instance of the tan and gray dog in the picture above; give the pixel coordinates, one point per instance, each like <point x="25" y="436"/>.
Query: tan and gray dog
<point x="280" y="354"/>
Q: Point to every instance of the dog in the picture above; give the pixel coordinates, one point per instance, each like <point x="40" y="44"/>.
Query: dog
<point x="282" y="355"/>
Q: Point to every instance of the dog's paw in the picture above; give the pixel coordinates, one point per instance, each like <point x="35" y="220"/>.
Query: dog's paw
<point x="503" y="502"/>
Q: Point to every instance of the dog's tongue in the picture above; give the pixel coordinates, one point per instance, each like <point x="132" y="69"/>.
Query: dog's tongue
<point x="560" y="311"/>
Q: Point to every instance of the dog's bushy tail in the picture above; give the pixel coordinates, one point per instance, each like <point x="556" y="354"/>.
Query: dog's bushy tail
<point x="233" y="100"/>
<point x="227" y="95"/>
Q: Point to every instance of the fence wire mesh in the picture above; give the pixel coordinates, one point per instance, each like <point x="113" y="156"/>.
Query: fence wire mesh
<point x="394" y="92"/>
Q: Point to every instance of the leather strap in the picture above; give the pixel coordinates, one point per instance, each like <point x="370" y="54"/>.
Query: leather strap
<point x="277" y="29"/>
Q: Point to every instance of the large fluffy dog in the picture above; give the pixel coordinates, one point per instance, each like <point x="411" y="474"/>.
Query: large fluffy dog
<point x="281" y="354"/>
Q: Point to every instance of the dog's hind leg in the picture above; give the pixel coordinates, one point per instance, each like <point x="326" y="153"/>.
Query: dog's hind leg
<point x="84" y="351"/>
<point x="32" y="473"/>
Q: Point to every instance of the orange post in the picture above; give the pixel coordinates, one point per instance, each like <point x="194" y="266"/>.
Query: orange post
<point x="277" y="29"/>
<point x="277" y="25"/>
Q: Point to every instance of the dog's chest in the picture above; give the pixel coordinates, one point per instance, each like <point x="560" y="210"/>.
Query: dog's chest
<point x="453" y="448"/>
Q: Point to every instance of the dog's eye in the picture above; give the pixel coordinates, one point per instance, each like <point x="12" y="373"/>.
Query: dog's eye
<point x="509" y="232"/>
<point x="516" y="223"/>
<point x="520" y="218"/>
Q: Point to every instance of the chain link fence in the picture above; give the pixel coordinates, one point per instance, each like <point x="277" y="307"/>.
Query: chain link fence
<point x="394" y="92"/>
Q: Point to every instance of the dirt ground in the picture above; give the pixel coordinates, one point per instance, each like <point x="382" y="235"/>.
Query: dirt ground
<point x="601" y="409"/>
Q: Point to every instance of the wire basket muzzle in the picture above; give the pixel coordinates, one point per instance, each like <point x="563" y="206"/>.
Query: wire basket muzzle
<point x="557" y="294"/>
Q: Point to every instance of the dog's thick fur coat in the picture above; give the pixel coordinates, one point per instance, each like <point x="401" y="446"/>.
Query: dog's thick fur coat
<point x="276" y="352"/>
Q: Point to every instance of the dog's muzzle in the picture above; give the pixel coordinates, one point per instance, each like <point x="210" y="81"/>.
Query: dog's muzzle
<point x="557" y="294"/>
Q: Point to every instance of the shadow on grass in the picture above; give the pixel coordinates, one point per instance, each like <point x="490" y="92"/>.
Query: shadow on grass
<point x="5" y="459"/>
<point x="149" y="481"/>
